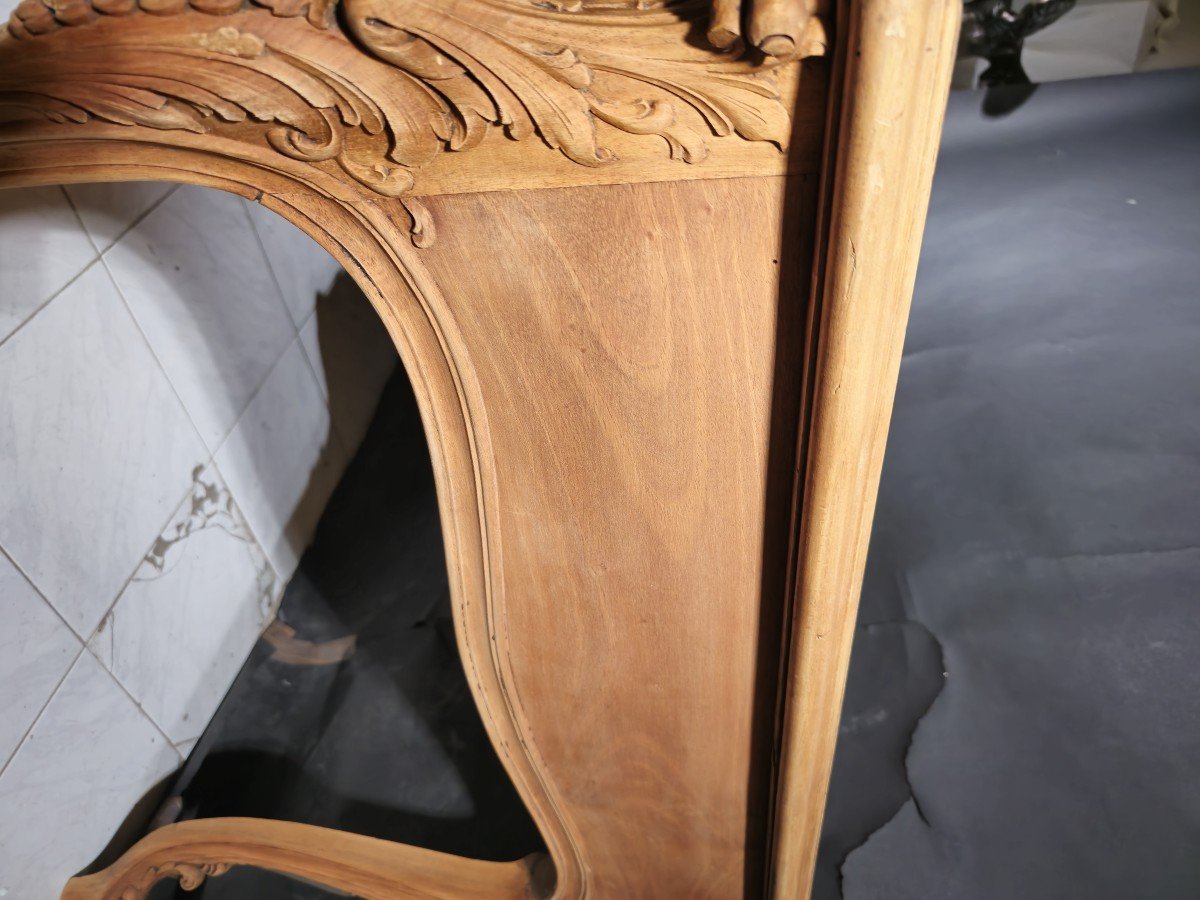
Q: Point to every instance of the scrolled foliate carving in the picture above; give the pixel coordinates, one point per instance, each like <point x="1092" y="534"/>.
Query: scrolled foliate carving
<point x="489" y="63"/>
<point x="382" y="87"/>
<point x="190" y="876"/>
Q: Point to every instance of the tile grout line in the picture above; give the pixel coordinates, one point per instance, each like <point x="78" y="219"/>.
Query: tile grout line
<point x="175" y="507"/>
<point x="254" y="396"/>
<point x="213" y="461"/>
<point x="66" y="672"/>
<point x="121" y="684"/>
<point x="132" y="699"/>
<point x="206" y="461"/>
<point x="20" y="569"/>
<point x="254" y="393"/>
<point x="301" y="325"/>
<point x="129" y="580"/>
<point x="334" y="431"/>
<point x="100" y="256"/>
<point x="210" y="459"/>
<point x="141" y="559"/>
<point x="298" y="326"/>
<point x="83" y="642"/>
<point x="95" y="255"/>
<point x="54" y="296"/>
<point x="42" y="711"/>
<point x="112" y="278"/>
<point x="117" y="599"/>
<point x="241" y="412"/>
<point x="137" y="220"/>
<point x="246" y="522"/>
<point x="308" y="358"/>
<point x="334" y="437"/>
<point x="262" y="248"/>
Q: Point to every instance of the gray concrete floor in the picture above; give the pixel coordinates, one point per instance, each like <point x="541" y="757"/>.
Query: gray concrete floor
<point x="1023" y="711"/>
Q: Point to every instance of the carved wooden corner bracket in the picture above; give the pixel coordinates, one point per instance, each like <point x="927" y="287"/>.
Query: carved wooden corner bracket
<point x="378" y="89"/>
<point x="189" y="875"/>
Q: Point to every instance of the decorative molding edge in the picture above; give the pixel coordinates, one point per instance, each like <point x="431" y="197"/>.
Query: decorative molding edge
<point x="377" y="89"/>
<point x="347" y="864"/>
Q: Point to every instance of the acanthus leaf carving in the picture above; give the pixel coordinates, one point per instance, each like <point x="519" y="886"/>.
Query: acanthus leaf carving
<point x="436" y="77"/>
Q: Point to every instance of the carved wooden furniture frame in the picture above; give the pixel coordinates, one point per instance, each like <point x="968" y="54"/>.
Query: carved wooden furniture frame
<point x="651" y="299"/>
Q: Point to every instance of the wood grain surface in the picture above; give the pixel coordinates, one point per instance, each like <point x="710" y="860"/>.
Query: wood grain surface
<point x="625" y="342"/>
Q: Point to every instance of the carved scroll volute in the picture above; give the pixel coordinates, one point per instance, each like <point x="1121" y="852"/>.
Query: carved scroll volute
<point x="209" y="69"/>
<point x="190" y="876"/>
<point x="413" y="79"/>
<point x="556" y="74"/>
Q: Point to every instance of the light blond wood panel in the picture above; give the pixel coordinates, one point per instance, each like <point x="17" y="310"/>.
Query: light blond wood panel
<point x="895" y="58"/>
<point x="624" y="344"/>
<point x="626" y="699"/>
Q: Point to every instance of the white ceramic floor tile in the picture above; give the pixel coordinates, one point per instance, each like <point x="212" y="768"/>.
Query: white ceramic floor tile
<point x="280" y="461"/>
<point x="184" y="625"/>
<point x="310" y="340"/>
<point x="89" y="758"/>
<point x="36" y="649"/>
<point x="303" y="268"/>
<point x="107" y="209"/>
<point x="42" y="247"/>
<point x="95" y="450"/>
<point x="353" y="356"/>
<point x="200" y="287"/>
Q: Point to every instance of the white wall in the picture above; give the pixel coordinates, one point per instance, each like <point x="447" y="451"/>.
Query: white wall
<point x="167" y="443"/>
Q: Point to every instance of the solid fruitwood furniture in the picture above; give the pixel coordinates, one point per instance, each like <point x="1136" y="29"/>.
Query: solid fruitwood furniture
<point x="654" y="350"/>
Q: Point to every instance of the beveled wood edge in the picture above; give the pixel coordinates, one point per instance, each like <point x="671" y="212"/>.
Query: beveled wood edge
<point x="368" y="238"/>
<point x="357" y="865"/>
<point x="892" y="79"/>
